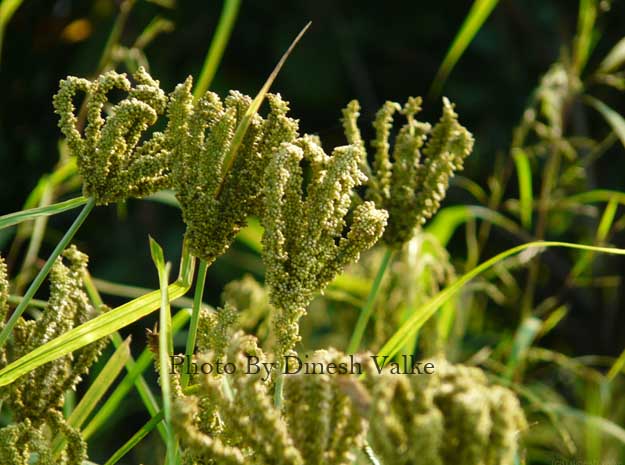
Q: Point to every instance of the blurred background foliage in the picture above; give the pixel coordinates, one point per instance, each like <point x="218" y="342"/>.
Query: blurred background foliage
<point x="373" y="52"/>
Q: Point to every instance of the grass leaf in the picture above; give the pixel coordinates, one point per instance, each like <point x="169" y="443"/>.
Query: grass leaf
<point x="135" y="439"/>
<point x="614" y="119"/>
<point x="425" y="312"/>
<point x="33" y="213"/>
<point x="218" y="45"/>
<point x="246" y="120"/>
<point x="479" y="12"/>
<point x="96" y="391"/>
<point x="525" y="335"/>
<point x="526" y="196"/>
<point x="38" y="281"/>
<point x="7" y="9"/>
<point x="142" y="363"/>
<point x="367" y="310"/>
<point x="614" y="59"/>
<point x="165" y="346"/>
<point x="98" y="327"/>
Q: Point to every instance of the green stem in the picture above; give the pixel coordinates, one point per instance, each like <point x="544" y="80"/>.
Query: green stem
<point x="195" y="317"/>
<point x="135" y="439"/>
<point x="367" y="310"/>
<point x="278" y="393"/>
<point x="217" y="46"/>
<point x="34" y="287"/>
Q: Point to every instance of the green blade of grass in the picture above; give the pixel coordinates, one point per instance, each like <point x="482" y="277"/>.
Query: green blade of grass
<point x="132" y="292"/>
<point x="479" y="12"/>
<point x="145" y="393"/>
<point x="614" y="119"/>
<point x="218" y="45"/>
<point x="142" y="363"/>
<point x="12" y="219"/>
<point x="98" y="327"/>
<point x="526" y="196"/>
<point x="34" y="286"/>
<point x="195" y="317"/>
<point x="523" y="339"/>
<point x="448" y="219"/>
<point x="602" y="424"/>
<point x="614" y="59"/>
<point x="584" y="41"/>
<point x="552" y="320"/>
<point x="7" y="9"/>
<point x="135" y="439"/>
<point x="165" y="346"/>
<point x="101" y="384"/>
<point x="423" y="313"/>
<point x="597" y="195"/>
<point x="605" y="224"/>
<point x="367" y="310"/>
<point x="96" y="391"/>
<point x="246" y="120"/>
<point x="617" y="367"/>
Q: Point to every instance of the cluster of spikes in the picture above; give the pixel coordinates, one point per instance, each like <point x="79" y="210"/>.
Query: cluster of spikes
<point x="233" y="419"/>
<point x="453" y="418"/>
<point x="314" y="222"/>
<point x="411" y="183"/>
<point x="36" y="399"/>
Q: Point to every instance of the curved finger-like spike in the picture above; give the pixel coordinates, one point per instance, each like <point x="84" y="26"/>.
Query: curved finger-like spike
<point x="111" y="146"/>
<point x="410" y="188"/>
<point x="303" y="243"/>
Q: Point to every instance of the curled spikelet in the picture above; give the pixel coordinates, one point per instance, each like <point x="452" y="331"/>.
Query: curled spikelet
<point x="215" y="204"/>
<point x="304" y="243"/>
<point x="112" y="158"/>
<point x="409" y="188"/>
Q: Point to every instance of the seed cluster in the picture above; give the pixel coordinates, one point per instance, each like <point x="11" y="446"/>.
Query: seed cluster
<point x="409" y="188"/>
<point x="36" y="399"/>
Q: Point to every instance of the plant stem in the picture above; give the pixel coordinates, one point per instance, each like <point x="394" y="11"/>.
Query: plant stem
<point x="195" y="317"/>
<point x="367" y="310"/>
<point x="34" y="287"/>
<point x="277" y="394"/>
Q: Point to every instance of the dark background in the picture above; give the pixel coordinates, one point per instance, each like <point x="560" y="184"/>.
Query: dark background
<point x="369" y="50"/>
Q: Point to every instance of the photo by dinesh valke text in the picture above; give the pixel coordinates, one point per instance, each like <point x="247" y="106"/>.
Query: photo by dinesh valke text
<point x="293" y="364"/>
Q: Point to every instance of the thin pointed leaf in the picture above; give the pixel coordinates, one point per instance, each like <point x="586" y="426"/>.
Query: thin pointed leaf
<point x="135" y="439"/>
<point x="478" y="14"/>
<point x="98" y="327"/>
<point x="614" y="119"/>
<point x="526" y="196"/>
<point x="12" y="219"/>
<point x="425" y="312"/>
<point x="218" y="45"/>
<point x="614" y="59"/>
<point x="246" y="120"/>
